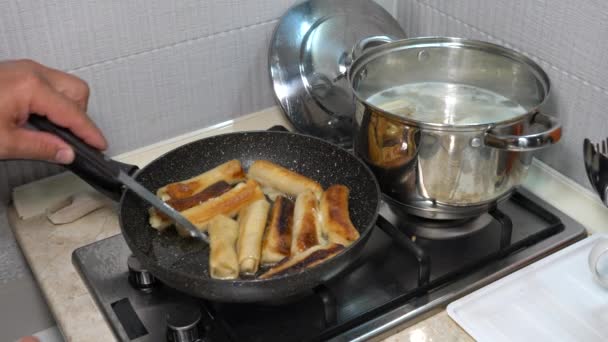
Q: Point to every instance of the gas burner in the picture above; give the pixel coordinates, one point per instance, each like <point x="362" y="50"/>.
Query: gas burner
<point x="442" y="229"/>
<point x="416" y="226"/>
<point x="435" y="229"/>
<point x="139" y="277"/>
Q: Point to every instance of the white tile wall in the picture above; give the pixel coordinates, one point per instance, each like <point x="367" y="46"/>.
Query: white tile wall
<point x="569" y="39"/>
<point x="70" y="34"/>
<point x="176" y="89"/>
<point x="156" y="68"/>
<point x="570" y="35"/>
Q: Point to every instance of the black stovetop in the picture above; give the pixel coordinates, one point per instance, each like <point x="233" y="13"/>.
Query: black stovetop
<point x="397" y="278"/>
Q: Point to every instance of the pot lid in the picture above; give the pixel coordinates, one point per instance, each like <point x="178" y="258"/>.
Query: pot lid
<point x="309" y="56"/>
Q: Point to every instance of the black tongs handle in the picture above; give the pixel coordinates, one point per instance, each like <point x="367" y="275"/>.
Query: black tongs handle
<point x="90" y="164"/>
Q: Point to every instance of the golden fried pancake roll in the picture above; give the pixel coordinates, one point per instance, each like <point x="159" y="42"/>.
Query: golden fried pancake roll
<point x="230" y="172"/>
<point x="223" y="261"/>
<point x="308" y="259"/>
<point x="252" y="222"/>
<point x="159" y="221"/>
<point x="214" y="190"/>
<point x="276" y="177"/>
<point x="306" y="225"/>
<point x="335" y="218"/>
<point x="227" y="204"/>
<point x="277" y="240"/>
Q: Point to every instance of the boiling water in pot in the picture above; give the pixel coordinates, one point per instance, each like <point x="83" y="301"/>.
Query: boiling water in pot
<point x="446" y="103"/>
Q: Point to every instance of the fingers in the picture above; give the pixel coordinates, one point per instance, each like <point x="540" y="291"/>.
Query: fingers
<point x="69" y="85"/>
<point x="26" y="144"/>
<point x="65" y="113"/>
<point x="28" y="87"/>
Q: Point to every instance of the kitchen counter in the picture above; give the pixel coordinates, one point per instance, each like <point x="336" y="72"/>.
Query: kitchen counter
<point x="48" y="247"/>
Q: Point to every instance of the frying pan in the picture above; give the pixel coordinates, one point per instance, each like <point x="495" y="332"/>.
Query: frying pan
<point x="184" y="263"/>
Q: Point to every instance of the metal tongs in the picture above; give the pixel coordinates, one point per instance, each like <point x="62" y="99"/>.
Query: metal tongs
<point x="101" y="163"/>
<point x="596" y="165"/>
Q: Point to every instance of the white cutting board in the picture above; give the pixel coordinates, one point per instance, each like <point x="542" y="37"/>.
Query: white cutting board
<point x="554" y="299"/>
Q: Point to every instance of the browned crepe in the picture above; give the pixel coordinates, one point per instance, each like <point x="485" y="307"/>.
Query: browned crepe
<point x="277" y="241"/>
<point x="335" y="217"/>
<point x="278" y="178"/>
<point x="306" y="227"/>
<point x="252" y="222"/>
<point x="223" y="262"/>
<point x="230" y="172"/>
<point x="308" y="259"/>
<point x="227" y="204"/>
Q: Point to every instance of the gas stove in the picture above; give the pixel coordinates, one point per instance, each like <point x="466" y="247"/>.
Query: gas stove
<point x="410" y="269"/>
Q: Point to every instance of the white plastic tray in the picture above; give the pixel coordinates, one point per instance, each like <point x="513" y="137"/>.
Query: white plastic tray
<point x="554" y="299"/>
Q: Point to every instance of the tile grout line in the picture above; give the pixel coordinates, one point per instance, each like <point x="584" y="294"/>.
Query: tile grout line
<point x="172" y="45"/>
<point x="554" y="67"/>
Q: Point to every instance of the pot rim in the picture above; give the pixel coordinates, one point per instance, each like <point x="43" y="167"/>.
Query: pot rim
<point x="448" y="42"/>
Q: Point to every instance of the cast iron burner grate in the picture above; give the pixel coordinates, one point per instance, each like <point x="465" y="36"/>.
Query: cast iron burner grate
<point x="395" y="281"/>
<point x="424" y="260"/>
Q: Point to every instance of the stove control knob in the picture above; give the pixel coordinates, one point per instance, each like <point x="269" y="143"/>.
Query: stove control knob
<point x="184" y="324"/>
<point x="139" y="277"/>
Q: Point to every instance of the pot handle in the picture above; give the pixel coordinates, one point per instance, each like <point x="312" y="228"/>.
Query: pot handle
<point x="367" y="43"/>
<point x="522" y="143"/>
<point x="90" y="165"/>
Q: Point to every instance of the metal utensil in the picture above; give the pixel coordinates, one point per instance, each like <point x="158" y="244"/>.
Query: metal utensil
<point x="602" y="150"/>
<point x="103" y="165"/>
<point x="588" y="155"/>
<point x="602" y="170"/>
<point x="596" y="165"/>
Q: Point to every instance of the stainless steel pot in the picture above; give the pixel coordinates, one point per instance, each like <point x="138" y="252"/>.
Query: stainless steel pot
<point x="452" y="165"/>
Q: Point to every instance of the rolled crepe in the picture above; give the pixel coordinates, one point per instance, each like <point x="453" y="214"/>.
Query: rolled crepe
<point x="230" y="172"/>
<point x="308" y="259"/>
<point x="214" y="190"/>
<point x="159" y="221"/>
<point x="252" y="221"/>
<point x="273" y="176"/>
<point x="223" y="262"/>
<point x="306" y="227"/>
<point x="335" y="218"/>
<point x="277" y="240"/>
<point x="227" y="204"/>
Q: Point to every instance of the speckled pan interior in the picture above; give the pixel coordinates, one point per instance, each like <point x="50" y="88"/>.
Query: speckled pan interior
<point x="183" y="263"/>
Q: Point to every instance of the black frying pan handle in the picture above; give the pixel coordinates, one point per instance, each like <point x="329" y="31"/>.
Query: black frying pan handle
<point x="92" y="166"/>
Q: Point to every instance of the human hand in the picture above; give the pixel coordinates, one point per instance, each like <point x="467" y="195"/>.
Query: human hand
<point x="28" y="87"/>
